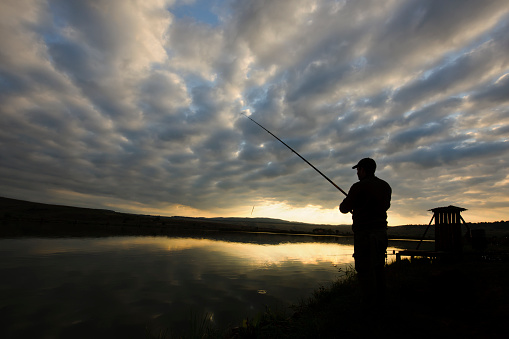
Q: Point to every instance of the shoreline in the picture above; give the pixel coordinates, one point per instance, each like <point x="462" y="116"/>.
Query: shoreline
<point x="424" y="298"/>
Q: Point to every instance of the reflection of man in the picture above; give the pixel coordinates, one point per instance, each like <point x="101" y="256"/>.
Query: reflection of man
<point x="368" y="200"/>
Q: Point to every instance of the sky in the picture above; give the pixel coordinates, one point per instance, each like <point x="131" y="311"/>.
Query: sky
<point x="136" y="106"/>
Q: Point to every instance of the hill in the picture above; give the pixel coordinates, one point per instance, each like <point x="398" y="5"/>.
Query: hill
<point x="24" y="218"/>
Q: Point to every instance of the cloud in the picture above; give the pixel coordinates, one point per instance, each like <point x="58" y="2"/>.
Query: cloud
<point x="138" y="103"/>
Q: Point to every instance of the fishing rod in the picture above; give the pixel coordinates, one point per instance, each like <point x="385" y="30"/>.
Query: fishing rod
<point x="300" y="156"/>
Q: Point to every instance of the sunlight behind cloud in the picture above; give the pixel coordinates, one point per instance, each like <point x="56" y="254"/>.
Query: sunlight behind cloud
<point x="308" y="214"/>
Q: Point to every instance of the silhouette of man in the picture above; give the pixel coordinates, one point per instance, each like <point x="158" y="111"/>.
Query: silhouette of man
<point x="368" y="200"/>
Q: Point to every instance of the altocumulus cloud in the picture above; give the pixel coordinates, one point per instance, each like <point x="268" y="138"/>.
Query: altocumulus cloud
<point x="135" y="105"/>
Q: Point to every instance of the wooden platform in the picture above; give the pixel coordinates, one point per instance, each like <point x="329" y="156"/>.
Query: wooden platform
<point x="419" y="253"/>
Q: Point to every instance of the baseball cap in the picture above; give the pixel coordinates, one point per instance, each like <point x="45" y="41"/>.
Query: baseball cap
<point x="367" y="163"/>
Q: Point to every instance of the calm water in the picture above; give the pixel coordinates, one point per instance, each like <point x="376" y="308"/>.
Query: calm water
<point x="119" y="286"/>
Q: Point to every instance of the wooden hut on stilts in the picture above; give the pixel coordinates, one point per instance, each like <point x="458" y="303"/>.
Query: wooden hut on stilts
<point x="448" y="235"/>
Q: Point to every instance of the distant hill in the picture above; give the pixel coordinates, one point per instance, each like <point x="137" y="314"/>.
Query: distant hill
<point x="24" y="218"/>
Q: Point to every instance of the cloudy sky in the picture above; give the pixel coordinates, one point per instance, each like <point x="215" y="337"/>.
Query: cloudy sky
<point x="136" y="105"/>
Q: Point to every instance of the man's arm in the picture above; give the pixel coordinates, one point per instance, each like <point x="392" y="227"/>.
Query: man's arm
<point x="345" y="206"/>
<point x="348" y="203"/>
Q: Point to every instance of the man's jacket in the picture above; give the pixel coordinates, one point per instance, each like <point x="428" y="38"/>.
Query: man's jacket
<point x="368" y="200"/>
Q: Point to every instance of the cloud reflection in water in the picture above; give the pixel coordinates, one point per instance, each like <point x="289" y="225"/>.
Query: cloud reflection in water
<point x="121" y="284"/>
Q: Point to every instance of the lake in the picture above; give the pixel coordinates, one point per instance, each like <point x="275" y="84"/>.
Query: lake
<point x="121" y="286"/>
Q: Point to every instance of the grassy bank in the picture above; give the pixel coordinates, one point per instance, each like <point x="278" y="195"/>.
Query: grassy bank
<point x="465" y="299"/>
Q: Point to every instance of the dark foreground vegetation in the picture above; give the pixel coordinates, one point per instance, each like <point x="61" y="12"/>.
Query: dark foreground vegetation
<point x="465" y="298"/>
<point x="462" y="300"/>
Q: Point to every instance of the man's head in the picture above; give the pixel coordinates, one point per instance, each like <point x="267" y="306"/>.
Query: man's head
<point x="365" y="167"/>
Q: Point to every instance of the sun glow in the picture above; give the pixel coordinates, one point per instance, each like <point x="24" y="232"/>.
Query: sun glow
<point x="309" y="214"/>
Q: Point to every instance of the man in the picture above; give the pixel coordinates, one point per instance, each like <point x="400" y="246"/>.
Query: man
<point x="368" y="200"/>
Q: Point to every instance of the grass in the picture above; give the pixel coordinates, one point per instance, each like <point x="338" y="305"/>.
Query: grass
<point x="199" y="326"/>
<point x="467" y="299"/>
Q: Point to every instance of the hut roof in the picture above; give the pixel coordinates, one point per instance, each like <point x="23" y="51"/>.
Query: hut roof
<point x="449" y="208"/>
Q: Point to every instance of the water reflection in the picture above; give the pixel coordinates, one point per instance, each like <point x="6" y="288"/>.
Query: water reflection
<point x="112" y="287"/>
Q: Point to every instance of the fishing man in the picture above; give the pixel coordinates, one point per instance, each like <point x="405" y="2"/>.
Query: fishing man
<point x="368" y="200"/>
